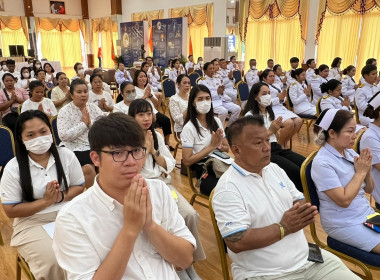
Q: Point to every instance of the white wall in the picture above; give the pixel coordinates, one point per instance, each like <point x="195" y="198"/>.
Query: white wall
<point x="310" y="47"/>
<point x="13" y="8"/>
<point x="100" y="8"/>
<point x="133" y="6"/>
<point x="41" y="8"/>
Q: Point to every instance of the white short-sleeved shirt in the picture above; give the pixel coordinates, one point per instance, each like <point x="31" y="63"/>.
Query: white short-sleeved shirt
<point x="244" y="200"/>
<point x="71" y="130"/>
<point x="177" y="106"/>
<point x="267" y="123"/>
<point x="92" y="221"/>
<point x="140" y="94"/>
<point x="331" y="170"/>
<point x="121" y="107"/>
<point x="47" y="105"/>
<point x="191" y="139"/>
<point x="10" y="188"/>
<point x="95" y="98"/>
<point x="371" y="140"/>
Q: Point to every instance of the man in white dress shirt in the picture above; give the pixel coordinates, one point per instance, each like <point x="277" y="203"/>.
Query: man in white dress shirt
<point x="270" y="64"/>
<point x="310" y="72"/>
<point x="261" y="214"/>
<point x="252" y="75"/>
<point x="221" y="102"/>
<point x="123" y="227"/>
<point x="294" y="61"/>
<point x="227" y="80"/>
<point x="122" y="75"/>
<point x="189" y="64"/>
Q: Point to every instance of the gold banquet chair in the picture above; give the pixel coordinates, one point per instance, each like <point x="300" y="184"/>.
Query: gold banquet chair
<point x="21" y="264"/>
<point x="219" y="240"/>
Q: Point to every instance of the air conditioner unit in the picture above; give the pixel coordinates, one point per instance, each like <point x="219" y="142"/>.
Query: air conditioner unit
<point x="216" y="47"/>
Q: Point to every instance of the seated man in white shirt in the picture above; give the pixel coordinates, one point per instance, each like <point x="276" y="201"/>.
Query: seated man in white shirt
<point x="252" y="75"/>
<point x="122" y="75"/>
<point x="294" y="62"/>
<point x="228" y="80"/>
<point x="270" y="64"/>
<point x="124" y="227"/>
<point x="261" y="214"/>
<point x="190" y="64"/>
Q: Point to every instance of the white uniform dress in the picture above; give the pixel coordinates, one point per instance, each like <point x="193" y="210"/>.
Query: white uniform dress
<point x="316" y="87"/>
<point x="251" y="77"/>
<point x="362" y="95"/>
<point x="371" y="140"/>
<point x="154" y="79"/>
<point x="222" y="103"/>
<point x="348" y="87"/>
<point x="300" y="100"/>
<point x="278" y="107"/>
<point x="174" y="73"/>
<point x="310" y="73"/>
<point x="290" y="80"/>
<point x="331" y="170"/>
<point x="278" y="82"/>
<point x="334" y="74"/>
<point x="330" y="102"/>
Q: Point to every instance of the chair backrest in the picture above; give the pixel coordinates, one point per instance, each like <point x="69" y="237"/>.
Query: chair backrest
<point x="356" y="146"/>
<point x="190" y="70"/>
<point x="197" y="81"/>
<point x="318" y="106"/>
<point x="193" y="78"/>
<point x="288" y="102"/>
<point x="237" y="76"/>
<point x="309" y="189"/>
<point x="356" y="113"/>
<point x="48" y="93"/>
<point x="243" y="91"/>
<point x="219" y="240"/>
<point x="7" y="145"/>
<point x="109" y="76"/>
<point x="19" y="108"/>
<point x="200" y="72"/>
<point x="168" y="88"/>
<point x="53" y="122"/>
<point x="172" y="124"/>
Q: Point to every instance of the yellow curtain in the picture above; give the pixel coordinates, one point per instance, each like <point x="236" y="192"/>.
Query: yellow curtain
<point x="287" y="42"/>
<point x="345" y="45"/>
<point x="15" y="23"/>
<point x="95" y="46"/>
<point x="61" y="46"/>
<point x="260" y="43"/>
<point x="107" y="61"/>
<point x="369" y="41"/>
<point x="197" y="34"/>
<point x="149" y="16"/>
<point x="13" y="37"/>
<point x="106" y="28"/>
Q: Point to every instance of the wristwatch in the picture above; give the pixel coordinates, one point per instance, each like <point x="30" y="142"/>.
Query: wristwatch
<point x="282" y="230"/>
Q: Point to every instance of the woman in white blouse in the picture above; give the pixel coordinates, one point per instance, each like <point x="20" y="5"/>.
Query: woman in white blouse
<point x="50" y="75"/>
<point x="335" y="72"/>
<point x="60" y="95"/>
<point x="178" y="102"/>
<point x="98" y="96"/>
<point x="25" y="78"/>
<point x="34" y="187"/>
<point x="159" y="163"/>
<point x="280" y="79"/>
<point x="127" y="95"/>
<point x="177" y="69"/>
<point x="349" y="85"/>
<point x="74" y="122"/>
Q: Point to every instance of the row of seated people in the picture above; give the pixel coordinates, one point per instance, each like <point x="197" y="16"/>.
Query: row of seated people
<point x="200" y="117"/>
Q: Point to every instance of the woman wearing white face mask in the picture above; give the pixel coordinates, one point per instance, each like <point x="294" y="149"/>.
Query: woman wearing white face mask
<point x="36" y="66"/>
<point x="202" y="134"/>
<point x="259" y="103"/>
<point x="25" y="78"/>
<point x="127" y="95"/>
<point x="34" y="187"/>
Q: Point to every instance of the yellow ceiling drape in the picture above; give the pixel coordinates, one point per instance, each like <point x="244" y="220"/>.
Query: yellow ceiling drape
<point x="149" y="16"/>
<point x="369" y="41"/>
<point x="337" y="7"/>
<point x="197" y="33"/>
<point x="256" y="9"/>
<point x="197" y="15"/>
<point x="13" y="37"/>
<point x="49" y="24"/>
<point x="345" y="45"/>
<point x="15" y="23"/>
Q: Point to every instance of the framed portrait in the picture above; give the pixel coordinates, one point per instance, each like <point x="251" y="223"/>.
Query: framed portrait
<point x="1" y="5"/>
<point x="57" y="7"/>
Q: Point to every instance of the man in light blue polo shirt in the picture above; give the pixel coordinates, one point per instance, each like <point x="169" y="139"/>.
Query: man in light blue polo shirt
<point x="261" y="214"/>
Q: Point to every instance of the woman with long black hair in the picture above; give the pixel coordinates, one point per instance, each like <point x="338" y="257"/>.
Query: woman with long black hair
<point x="34" y="187"/>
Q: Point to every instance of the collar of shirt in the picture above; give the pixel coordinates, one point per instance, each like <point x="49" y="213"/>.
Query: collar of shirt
<point x="348" y="154"/>
<point x="201" y="126"/>
<point x="367" y="84"/>
<point x="244" y="172"/>
<point x="105" y="198"/>
<point x="50" y="162"/>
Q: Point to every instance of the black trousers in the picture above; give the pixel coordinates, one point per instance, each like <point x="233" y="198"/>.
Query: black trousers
<point x="164" y="122"/>
<point x="10" y="121"/>
<point x="208" y="183"/>
<point x="289" y="161"/>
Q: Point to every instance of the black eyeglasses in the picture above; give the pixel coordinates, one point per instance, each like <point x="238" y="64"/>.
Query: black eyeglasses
<point x="121" y="156"/>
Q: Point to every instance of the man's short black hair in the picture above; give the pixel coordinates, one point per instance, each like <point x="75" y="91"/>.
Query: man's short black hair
<point x="116" y="130"/>
<point x="236" y="128"/>
<point x="10" y="62"/>
<point x="309" y="61"/>
<point x="294" y="59"/>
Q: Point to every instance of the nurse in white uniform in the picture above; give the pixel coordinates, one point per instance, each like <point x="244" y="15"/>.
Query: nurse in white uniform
<point x="349" y="85"/>
<point x="371" y="140"/>
<point x="342" y="179"/>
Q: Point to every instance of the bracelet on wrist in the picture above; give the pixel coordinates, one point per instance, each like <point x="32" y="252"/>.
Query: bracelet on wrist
<point x="63" y="197"/>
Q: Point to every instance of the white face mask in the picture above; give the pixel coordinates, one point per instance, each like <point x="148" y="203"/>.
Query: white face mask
<point x="203" y="107"/>
<point x="38" y="66"/>
<point x="30" y="64"/>
<point x="265" y="100"/>
<point x="131" y="96"/>
<point x="25" y="75"/>
<point x="39" y="145"/>
<point x="5" y="68"/>
<point x="81" y="72"/>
